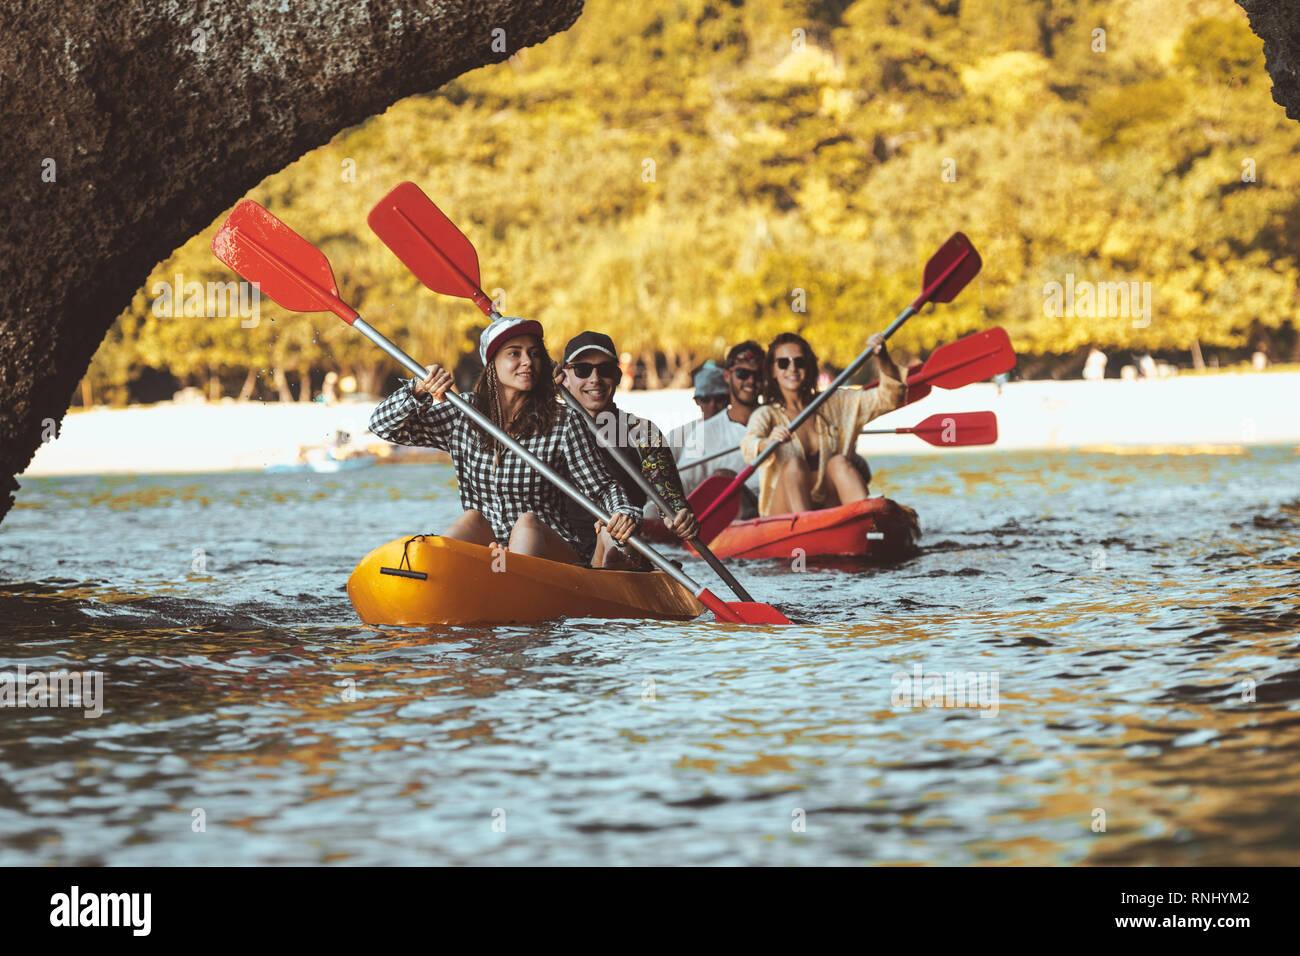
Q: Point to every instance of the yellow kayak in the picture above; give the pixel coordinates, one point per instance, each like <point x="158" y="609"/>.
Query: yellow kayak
<point x="426" y="579"/>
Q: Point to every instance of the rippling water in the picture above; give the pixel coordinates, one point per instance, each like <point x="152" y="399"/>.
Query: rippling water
<point x="1139" y="613"/>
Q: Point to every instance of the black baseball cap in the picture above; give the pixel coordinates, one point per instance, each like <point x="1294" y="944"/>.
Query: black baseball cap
<point x="744" y="350"/>
<point x="589" y="340"/>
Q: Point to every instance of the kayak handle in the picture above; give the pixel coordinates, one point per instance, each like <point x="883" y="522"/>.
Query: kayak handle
<point x="400" y="573"/>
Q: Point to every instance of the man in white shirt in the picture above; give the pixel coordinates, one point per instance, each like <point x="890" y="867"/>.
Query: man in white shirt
<point x="742" y="377"/>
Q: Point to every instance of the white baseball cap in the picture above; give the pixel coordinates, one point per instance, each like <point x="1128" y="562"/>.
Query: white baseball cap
<point x="504" y="329"/>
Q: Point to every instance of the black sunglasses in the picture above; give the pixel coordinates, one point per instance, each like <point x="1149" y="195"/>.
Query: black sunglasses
<point x="784" y="361"/>
<point x="744" y="374"/>
<point x="607" y="370"/>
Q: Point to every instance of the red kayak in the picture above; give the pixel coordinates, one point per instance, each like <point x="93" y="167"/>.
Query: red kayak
<point x="877" y="528"/>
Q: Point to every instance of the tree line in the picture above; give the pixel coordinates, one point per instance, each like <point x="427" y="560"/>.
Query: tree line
<point x="685" y="174"/>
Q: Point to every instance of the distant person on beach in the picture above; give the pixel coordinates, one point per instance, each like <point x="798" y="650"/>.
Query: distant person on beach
<point x="1094" y="368"/>
<point x="1147" y="366"/>
<point x="328" y="394"/>
<point x="1259" y="361"/>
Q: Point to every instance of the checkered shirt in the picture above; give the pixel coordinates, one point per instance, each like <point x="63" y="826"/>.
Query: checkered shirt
<point x="503" y="491"/>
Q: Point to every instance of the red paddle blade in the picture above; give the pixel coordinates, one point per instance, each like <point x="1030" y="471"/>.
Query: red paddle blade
<point x="741" y="612"/>
<point x="428" y="243"/>
<point x="972" y="359"/>
<point x="752" y="612"/>
<point x="949" y="269"/>
<point x="711" y="525"/>
<point x="959" y="428"/>
<point x="294" y="273"/>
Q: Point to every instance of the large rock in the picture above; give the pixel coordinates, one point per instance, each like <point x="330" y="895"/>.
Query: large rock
<point x="1277" y="23"/>
<point x="130" y="126"/>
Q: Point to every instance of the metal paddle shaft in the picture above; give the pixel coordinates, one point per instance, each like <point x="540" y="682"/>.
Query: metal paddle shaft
<point x="545" y="470"/>
<point x="635" y="474"/>
<point x="682" y="466"/>
<point x="947" y="272"/>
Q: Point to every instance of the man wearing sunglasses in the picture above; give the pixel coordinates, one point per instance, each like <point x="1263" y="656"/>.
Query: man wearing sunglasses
<point x="743" y="377"/>
<point x="711" y="394"/>
<point x="591" y="373"/>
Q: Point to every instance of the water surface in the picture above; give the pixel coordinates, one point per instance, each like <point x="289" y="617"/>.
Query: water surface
<point x="1139" y="612"/>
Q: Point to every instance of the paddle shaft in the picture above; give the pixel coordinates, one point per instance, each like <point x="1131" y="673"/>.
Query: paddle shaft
<point x="683" y="465"/>
<point x="844" y="376"/>
<point x="420" y="372"/>
<point x="664" y="508"/>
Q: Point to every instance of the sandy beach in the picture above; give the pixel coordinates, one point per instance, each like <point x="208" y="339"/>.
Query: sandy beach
<point x="1214" y="413"/>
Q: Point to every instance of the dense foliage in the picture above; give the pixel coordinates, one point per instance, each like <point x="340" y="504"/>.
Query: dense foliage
<point x="683" y="173"/>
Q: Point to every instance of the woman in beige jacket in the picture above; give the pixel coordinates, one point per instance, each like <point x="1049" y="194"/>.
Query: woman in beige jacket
<point x="811" y="469"/>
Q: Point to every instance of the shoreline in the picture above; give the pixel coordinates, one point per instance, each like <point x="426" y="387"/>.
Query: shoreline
<point x="1203" y="414"/>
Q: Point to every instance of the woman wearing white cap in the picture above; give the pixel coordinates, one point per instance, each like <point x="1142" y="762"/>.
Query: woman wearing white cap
<point x="505" y="500"/>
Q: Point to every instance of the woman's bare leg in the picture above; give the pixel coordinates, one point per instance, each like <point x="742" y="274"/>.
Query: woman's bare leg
<point x="831" y="499"/>
<point x="845" y="482"/>
<point x="471" y="527"/>
<point x="533" y="536"/>
<point x="793" y="488"/>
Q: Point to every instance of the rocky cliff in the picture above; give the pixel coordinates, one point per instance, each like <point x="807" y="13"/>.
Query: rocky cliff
<point x="130" y="125"/>
<point x="1277" y="23"/>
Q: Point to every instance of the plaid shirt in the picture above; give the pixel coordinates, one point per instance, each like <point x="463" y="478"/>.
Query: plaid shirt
<point x="504" y="491"/>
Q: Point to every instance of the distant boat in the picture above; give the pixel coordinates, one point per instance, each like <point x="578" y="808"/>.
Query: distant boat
<point x="323" y="466"/>
<point x="330" y="465"/>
